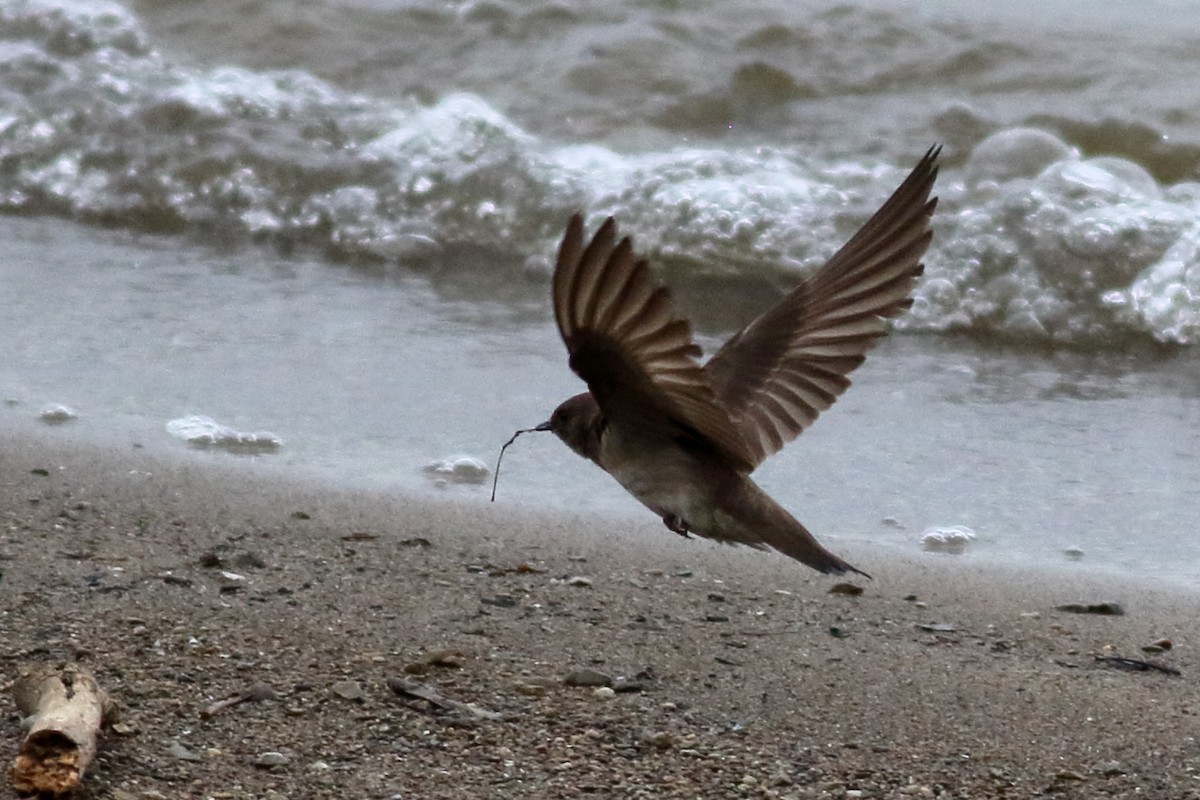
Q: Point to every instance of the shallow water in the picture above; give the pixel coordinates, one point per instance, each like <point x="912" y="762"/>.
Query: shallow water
<point x="368" y="378"/>
<point x="334" y="222"/>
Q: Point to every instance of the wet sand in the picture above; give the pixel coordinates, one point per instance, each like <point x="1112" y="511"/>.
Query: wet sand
<point x="740" y="674"/>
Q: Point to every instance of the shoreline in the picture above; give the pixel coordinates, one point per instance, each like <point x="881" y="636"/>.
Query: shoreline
<point x="940" y="680"/>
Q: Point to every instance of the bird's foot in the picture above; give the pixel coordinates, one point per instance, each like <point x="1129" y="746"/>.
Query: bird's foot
<point x="676" y="524"/>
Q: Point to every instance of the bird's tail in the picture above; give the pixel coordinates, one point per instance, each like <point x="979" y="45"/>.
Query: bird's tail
<point x="765" y="523"/>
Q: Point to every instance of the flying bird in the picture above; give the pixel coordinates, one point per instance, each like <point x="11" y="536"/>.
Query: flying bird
<point x="683" y="438"/>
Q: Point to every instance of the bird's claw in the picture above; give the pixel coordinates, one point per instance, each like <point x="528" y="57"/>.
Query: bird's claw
<point x="674" y="523"/>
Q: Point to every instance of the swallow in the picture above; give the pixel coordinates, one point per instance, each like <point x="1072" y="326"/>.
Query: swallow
<point x="682" y="437"/>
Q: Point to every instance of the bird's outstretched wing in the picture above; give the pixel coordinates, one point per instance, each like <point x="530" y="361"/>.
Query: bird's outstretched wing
<point x="626" y="341"/>
<point x="790" y="364"/>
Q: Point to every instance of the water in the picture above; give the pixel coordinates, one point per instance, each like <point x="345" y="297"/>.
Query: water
<point x="334" y="222"/>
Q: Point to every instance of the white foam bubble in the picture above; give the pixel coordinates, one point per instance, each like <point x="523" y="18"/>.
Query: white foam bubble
<point x="202" y="431"/>
<point x="948" y="539"/>
<point x="57" y="414"/>
<point x="1016" y="153"/>
<point x="457" y="469"/>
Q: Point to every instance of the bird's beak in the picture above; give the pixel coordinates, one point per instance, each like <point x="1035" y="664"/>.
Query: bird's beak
<point x="545" y="426"/>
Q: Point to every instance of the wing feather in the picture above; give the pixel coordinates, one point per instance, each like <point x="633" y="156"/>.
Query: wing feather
<point x="636" y="355"/>
<point x="777" y="374"/>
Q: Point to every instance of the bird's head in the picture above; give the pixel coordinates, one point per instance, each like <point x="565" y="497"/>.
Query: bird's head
<point x="577" y="422"/>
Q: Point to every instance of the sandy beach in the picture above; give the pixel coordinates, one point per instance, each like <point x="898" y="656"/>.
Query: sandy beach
<point x="732" y="673"/>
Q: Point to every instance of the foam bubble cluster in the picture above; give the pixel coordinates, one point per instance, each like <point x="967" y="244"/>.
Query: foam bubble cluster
<point x="1080" y="251"/>
<point x="457" y="469"/>
<point x="202" y="431"/>
<point x="949" y="539"/>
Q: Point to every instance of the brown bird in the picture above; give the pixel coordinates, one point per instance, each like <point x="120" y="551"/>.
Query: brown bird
<point x="683" y="438"/>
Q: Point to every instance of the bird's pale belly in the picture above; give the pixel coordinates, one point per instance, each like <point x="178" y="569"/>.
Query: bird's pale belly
<point x="668" y="480"/>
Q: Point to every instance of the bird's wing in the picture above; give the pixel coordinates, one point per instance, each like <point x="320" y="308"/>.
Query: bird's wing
<point x="626" y="341"/>
<point x="790" y="364"/>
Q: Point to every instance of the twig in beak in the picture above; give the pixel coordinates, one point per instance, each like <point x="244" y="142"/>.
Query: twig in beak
<point x="496" y="476"/>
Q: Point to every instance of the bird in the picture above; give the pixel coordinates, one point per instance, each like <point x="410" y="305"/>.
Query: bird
<point x="683" y="437"/>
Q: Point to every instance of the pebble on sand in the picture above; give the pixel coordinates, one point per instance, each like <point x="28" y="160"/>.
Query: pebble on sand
<point x="182" y="753"/>
<point x="271" y="758"/>
<point x="1106" y="609"/>
<point x="587" y="677"/>
<point x="348" y="690"/>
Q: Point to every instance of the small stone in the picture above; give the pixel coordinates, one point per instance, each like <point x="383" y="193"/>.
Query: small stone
<point x="1073" y="553"/>
<point x="603" y="693"/>
<point x="260" y="692"/>
<point x="848" y="589"/>
<point x="271" y="758"/>
<point x="626" y="685"/>
<point x="530" y="689"/>
<point x="716" y="618"/>
<point x="416" y="541"/>
<point x="579" y="580"/>
<point x="661" y="740"/>
<point x="181" y="753"/>
<point x="1068" y="775"/>
<point x="716" y="597"/>
<point x="248" y="560"/>
<point x="587" y="677"/>
<point x="1162" y="644"/>
<point x="124" y="729"/>
<point x="348" y="690"/>
<point x="446" y="658"/>
<point x="1102" y="609"/>
<point x="1110" y="769"/>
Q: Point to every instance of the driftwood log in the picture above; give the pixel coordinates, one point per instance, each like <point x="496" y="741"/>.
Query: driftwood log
<point x="64" y="709"/>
